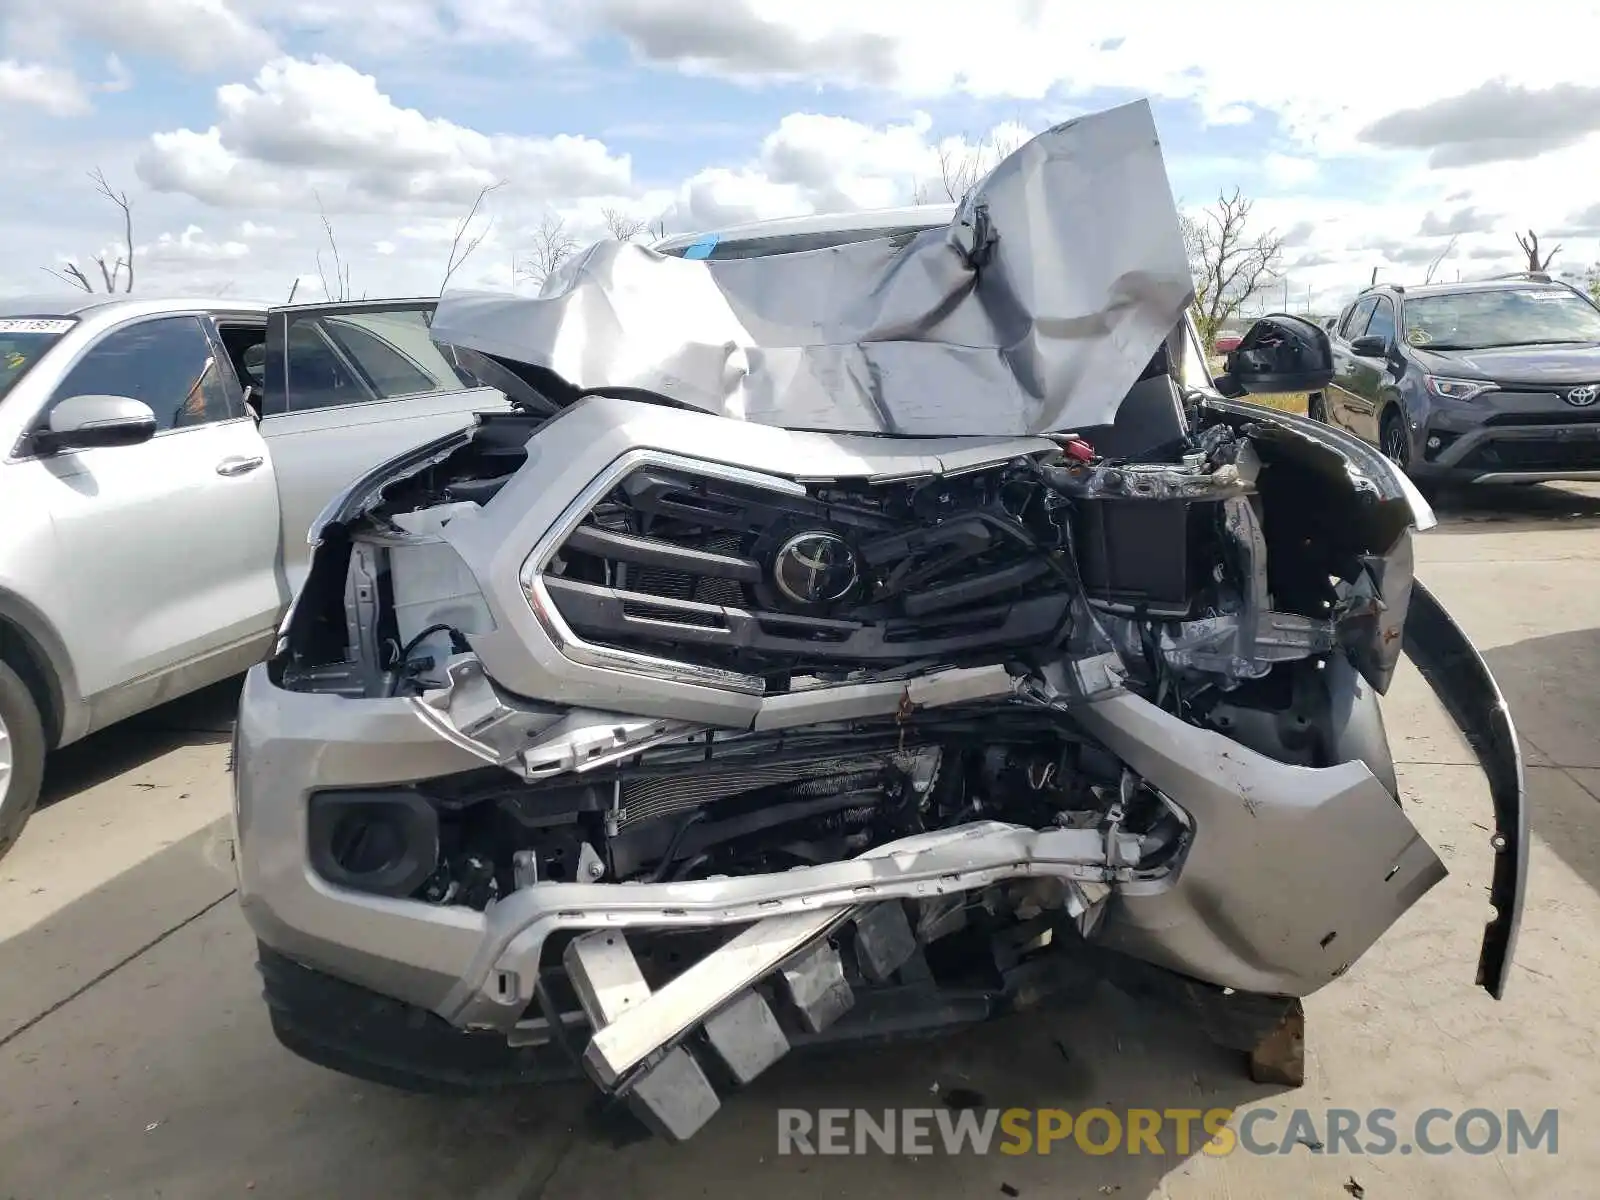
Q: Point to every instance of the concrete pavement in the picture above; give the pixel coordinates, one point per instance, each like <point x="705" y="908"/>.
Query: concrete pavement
<point x="135" y="1058"/>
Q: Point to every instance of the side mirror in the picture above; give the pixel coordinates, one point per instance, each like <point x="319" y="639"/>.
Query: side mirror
<point x="1279" y="353"/>
<point x="1369" y="347"/>
<point x="88" y="422"/>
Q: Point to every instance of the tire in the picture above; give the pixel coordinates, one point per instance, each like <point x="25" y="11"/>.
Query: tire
<point x="22" y="750"/>
<point x="1317" y="407"/>
<point x="1393" y="440"/>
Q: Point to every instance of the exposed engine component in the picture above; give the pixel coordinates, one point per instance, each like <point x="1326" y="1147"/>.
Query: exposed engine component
<point x="756" y="803"/>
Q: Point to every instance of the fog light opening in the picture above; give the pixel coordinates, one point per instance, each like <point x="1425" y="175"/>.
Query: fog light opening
<point x="367" y="844"/>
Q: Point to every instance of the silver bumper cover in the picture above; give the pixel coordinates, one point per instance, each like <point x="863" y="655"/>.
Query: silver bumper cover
<point x="1291" y="874"/>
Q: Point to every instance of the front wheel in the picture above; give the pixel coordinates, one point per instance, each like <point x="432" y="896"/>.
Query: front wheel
<point x="22" y="750"/>
<point x="1394" y="441"/>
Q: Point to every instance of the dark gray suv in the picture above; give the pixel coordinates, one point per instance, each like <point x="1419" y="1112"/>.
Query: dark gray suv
<point x="1485" y="382"/>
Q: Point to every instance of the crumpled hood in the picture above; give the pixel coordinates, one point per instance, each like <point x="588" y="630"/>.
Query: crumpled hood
<point x="1033" y="311"/>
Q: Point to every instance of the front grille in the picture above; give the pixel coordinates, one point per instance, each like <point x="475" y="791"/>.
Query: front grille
<point x="714" y="573"/>
<point x="1535" y="454"/>
<point x="1569" y="416"/>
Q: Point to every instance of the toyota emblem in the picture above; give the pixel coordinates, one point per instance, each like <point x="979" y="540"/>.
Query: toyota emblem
<point x="815" y="568"/>
<point x="1582" y="397"/>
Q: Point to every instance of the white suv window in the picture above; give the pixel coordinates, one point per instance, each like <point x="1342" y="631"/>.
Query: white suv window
<point x="169" y="363"/>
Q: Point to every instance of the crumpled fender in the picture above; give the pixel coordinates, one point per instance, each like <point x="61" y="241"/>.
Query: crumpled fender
<point x="1447" y="659"/>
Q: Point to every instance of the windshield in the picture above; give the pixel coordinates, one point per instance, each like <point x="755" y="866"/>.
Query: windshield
<point x="1509" y="317"/>
<point x="711" y="246"/>
<point x="23" y="342"/>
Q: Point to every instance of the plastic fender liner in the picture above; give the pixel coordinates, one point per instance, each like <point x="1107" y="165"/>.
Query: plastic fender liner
<point x="1463" y="682"/>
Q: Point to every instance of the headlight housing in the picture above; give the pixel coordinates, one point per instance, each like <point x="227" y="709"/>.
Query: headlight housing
<point x="1457" y="389"/>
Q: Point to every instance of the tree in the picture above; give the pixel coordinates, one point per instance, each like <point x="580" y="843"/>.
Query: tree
<point x="621" y="226"/>
<point x="1437" y="262"/>
<point x="551" y="246"/>
<point x="112" y="273"/>
<point x="339" y="289"/>
<point x="1229" y="265"/>
<point x="625" y="228"/>
<point x="459" y="252"/>
<point x="1530" y="247"/>
<point x="961" y="170"/>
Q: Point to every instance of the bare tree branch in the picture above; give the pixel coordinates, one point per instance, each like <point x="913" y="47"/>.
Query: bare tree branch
<point x="339" y="289"/>
<point x="111" y="269"/>
<point x="1530" y="247"/>
<point x="552" y="246"/>
<point x="70" y="274"/>
<point x="120" y="199"/>
<point x="293" y="288"/>
<point x="1229" y="265"/>
<point x="1443" y="254"/>
<point x="621" y="226"/>
<point x="960" y="172"/>
<point x="459" y="253"/>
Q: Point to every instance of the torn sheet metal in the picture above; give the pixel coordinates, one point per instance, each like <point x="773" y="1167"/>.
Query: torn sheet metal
<point x="1033" y="311"/>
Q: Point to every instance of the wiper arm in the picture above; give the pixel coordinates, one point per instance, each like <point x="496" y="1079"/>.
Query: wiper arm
<point x="1538" y="342"/>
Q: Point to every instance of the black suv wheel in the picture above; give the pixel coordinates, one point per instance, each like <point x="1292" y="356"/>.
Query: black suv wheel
<point x="1394" y="441"/>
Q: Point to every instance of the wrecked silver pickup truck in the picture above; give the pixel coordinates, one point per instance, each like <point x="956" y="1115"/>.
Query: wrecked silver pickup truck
<point x="850" y="632"/>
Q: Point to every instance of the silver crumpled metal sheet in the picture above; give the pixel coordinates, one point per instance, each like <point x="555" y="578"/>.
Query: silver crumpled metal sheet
<point x="1033" y="311"/>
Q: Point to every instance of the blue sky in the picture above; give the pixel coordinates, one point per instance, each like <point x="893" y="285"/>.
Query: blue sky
<point x="229" y="122"/>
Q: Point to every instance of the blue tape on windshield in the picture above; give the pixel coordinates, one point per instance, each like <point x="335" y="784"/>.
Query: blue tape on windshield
<point x="702" y="248"/>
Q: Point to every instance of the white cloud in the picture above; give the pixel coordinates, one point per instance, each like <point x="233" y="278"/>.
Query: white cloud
<point x="252" y="232"/>
<point x="814" y="163"/>
<point x="197" y="34"/>
<point x="191" y="246"/>
<point x="1288" y="171"/>
<point x="303" y="129"/>
<point x="54" y="90"/>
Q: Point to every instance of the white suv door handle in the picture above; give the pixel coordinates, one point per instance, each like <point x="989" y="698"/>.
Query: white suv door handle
<point x="239" y="465"/>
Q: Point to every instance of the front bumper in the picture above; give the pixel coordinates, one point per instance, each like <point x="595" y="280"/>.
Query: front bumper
<point x="1508" y="447"/>
<point x="1292" y="873"/>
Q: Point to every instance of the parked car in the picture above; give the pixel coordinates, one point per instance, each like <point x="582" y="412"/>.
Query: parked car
<point x="1226" y="343"/>
<point x="1491" y="382"/>
<point x="794" y="665"/>
<point x="163" y="462"/>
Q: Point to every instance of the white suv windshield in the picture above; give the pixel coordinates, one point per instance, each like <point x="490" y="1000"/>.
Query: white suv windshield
<point x="712" y="246"/>
<point x="23" y="342"/>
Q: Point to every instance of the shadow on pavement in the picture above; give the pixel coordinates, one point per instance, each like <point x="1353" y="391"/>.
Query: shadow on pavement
<point x="1552" y="686"/>
<point x="165" y="1080"/>
<point x="200" y="718"/>
<point x="1538" y="507"/>
<point x="1111" y="1054"/>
